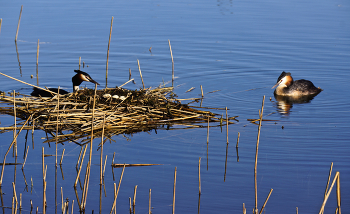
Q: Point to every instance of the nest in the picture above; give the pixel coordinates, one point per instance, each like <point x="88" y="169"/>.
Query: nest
<point x="114" y="110"/>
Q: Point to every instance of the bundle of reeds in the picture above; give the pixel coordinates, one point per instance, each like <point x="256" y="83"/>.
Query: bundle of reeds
<point x="125" y="112"/>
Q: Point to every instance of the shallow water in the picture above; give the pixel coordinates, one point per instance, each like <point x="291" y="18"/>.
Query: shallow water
<point x="237" y="47"/>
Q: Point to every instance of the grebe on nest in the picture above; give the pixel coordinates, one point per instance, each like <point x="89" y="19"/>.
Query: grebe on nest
<point x="287" y="87"/>
<point x="76" y="80"/>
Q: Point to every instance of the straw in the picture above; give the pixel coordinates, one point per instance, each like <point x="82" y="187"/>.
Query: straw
<point x="138" y="63"/>
<point x="19" y="21"/>
<point x="62" y="157"/>
<point x="199" y="175"/>
<point x="226" y="125"/>
<point x="262" y="208"/>
<point x="116" y="194"/>
<point x="329" y="192"/>
<point x="149" y="202"/>
<point x="3" y="163"/>
<point x="109" y="43"/>
<point x="256" y="157"/>
<point x="37" y="54"/>
<point x="172" y="62"/>
<point x="28" y="83"/>
<point x="15" y="124"/>
<point x="25" y="158"/>
<point x="174" y="190"/>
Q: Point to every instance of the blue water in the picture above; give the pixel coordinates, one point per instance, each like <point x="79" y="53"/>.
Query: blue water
<point x="237" y="47"/>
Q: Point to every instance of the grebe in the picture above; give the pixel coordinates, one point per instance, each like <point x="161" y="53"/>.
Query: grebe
<point x="287" y="87"/>
<point x="76" y="80"/>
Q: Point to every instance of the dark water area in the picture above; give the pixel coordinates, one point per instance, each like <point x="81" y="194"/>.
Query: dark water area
<point x="237" y="47"/>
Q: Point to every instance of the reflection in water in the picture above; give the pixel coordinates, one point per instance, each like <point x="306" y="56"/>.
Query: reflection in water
<point x="19" y="63"/>
<point x="285" y="103"/>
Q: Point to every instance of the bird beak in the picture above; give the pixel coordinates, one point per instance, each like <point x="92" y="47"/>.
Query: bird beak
<point x="276" y="84"/>
<point x="93" y="81"/>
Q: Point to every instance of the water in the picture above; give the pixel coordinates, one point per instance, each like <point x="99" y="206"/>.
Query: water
<point x="237" y="47"/>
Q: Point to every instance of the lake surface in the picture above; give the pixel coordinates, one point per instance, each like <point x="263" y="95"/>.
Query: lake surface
<point x="237" y="47"/>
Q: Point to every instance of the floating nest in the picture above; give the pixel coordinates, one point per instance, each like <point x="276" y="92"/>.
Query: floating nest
<point x="114" y="110"/>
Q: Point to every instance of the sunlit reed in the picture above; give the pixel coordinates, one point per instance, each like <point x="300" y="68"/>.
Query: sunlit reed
<point x="174" y="190"/>
<point x="116" y="194"/>
<point x="256" y="157"/>
<point x="109" y="43"/>
<point x="172" y="62"/>
<point x="262" y="208"/>
<point x="19" y="21"/>
<point x="138" y="63"/>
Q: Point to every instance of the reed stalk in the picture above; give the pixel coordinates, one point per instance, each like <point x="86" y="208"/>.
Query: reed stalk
<point x="90" y="155"/>
<point x="13" y="205"/>
<point x="149" y="202"/>
<point x="329" y="178"/>
<point x="238" y="139"/>
<point x="81" y="150"/>
<point x="103" y="131"/>
<point x="15" y="124"/>
<point x="3" y="163"/>
<point x="0" y="24"/>
<point x="28" y="84"/>
<point x="43" y="167"/>
<point x="19" y="21"/>
<point x="15" y="196"/>
<point x="81" y="165"/>
<point x="116" y="194"/>
<point x="226" y="125"/>
<point x="262" y="208"/>
<point x="25" y="158"/>
<point x="20" y="202"/>
<point x="109" y="43"/>
<point x="172" y="62"/>
<point x="208" y="132"/>
<point x="130" y="205"/>
<point x="37" y="54"/>
<point x="138" y="63"/>
<point x="244" y="209"/>
<point x="202" y="91"/>
<point x="329" y="192"/>
<point x="338" y="195"/>
<point x="72" y="206"/>
<point x="134" y="198"/>
<point x="62" y="204"/>
<point x="62" y="157"/>
<point x="226" y="162"/>
<point x="58" y="112"/>
<point x="129" y="74"/>
<point x="256" y="157"/>
<point x="79" y="62"/>
<point x="199" y="176"/>
<point x="174" y="190"/>
<point x="104" y="167"/>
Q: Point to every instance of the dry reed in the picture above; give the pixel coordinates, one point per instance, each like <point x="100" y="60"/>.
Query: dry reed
<point x="174" y="190"/>
<point x="109" y="43"/>
<point x="19" y="21"/>
<point x="256" y="157"/>
<point x="172" y="62"/>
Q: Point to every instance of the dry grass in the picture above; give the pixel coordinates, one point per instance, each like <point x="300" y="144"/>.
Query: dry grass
<point x="133" y="111"/>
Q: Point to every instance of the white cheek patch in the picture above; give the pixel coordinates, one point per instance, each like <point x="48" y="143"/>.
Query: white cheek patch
<point x="83" y="77"/>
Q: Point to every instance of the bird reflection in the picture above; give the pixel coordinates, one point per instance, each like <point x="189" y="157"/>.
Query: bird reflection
<point x="285" y="103"/>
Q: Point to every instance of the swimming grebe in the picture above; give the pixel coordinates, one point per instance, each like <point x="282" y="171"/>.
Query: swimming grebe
<point x="287" y="87"/>
<point x="76" y="80"/>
